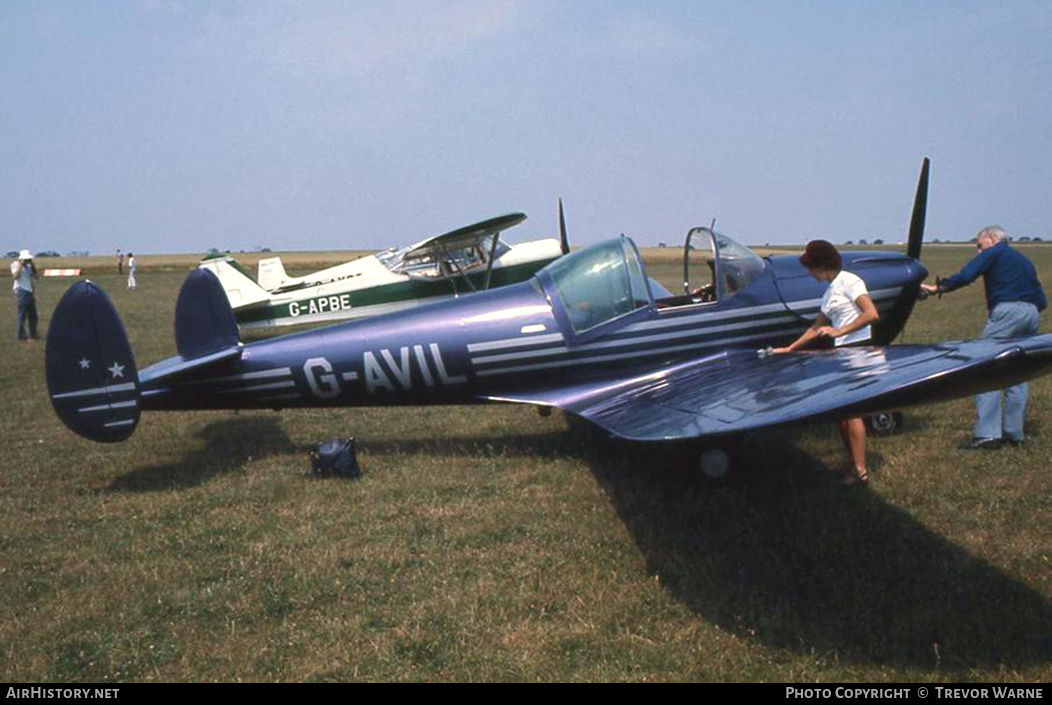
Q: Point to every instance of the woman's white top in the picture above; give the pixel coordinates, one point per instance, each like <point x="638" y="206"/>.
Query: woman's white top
<point x="840" y="308"/>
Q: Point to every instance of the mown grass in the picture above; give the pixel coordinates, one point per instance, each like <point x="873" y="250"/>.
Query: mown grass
<point x="488" y="543"/>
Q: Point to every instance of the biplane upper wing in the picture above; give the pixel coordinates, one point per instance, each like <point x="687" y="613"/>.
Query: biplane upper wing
<point x="742" y="390"/>
<point x="465" y="236"/>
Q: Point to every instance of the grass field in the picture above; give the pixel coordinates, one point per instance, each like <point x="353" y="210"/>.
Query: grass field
<point x="488" y="543"/>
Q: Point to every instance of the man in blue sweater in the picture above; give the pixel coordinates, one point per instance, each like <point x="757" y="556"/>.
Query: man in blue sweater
<point x="1014" y="299"/>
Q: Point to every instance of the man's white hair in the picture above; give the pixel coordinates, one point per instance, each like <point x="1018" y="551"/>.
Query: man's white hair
<point x="993" y="232"/>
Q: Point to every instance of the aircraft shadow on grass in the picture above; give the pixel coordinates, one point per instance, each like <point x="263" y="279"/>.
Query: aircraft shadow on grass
<point x="228" y="446"/>
<point x="786" y="556"/>
<point x="779" y="553"/>
<point x="783" y="555"/>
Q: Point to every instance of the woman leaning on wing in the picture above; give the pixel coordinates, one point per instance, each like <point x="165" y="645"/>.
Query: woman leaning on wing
<point x="844" y="318"/>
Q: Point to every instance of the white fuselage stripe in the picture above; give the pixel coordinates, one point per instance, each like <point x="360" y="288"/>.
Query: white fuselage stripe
<point x="533" y="355"/>
<point x="747" y="312"/>
<point x="624" y="341"/>
<point x="637" y="353"/>
<point x="515" y="342"/>
<point x="259" y="387"/>
<point x="262" y="374"/>
<point x="701" y="317"/>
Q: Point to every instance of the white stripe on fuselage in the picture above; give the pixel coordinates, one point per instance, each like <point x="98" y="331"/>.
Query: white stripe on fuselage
<point x="625" y="341"/>
<point x="636" y="353"/>
<point x="259" y="387"/>
<point x="755" y="321"/>
<point x="261" y="374"/>
<point x="515" y="342"/>
<point x="669" y="320"/>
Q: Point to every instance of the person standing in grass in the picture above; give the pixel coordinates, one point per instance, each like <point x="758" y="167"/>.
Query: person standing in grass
<point x="844" y="318"/>
<point x="131" y="270"/>
<point x="1014" y="301"/>
<point x="24" y="272"/>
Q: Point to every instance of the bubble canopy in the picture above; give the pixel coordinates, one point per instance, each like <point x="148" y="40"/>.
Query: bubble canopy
<point x="597" y="285"/>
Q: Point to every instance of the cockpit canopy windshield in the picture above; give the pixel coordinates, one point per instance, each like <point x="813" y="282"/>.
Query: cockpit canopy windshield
<point x="600" y="283"/>
<point x="739" y="266"/>
<point x="438" y="259"/>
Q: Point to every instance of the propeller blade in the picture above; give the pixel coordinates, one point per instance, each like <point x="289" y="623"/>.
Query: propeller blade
<point x="920" y="209"/>
<point x="564" y="241"/>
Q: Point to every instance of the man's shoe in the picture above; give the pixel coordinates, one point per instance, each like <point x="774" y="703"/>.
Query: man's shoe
<point x="1015" y="442"/>
<point x="981" y="444"/>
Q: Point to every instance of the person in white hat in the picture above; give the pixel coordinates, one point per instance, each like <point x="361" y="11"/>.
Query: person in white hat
<point x="24" y="272"/>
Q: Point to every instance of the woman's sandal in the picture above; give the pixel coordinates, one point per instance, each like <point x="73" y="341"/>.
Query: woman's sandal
<point x="855" y="477"/>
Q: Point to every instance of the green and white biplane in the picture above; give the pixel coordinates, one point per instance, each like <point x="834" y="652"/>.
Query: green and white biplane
<point x="462" y="261"/>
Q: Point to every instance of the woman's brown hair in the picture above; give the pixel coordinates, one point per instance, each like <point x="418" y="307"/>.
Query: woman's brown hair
<point x="820" y="254"/>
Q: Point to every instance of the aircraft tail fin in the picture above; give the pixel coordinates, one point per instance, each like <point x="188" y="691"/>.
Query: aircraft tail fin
<point x="204" y="320"/>
<point x="241" y="289"/>
<point x="93" y="381"/>
<point x="91" y="374"/>
<point x="271" y="273"/>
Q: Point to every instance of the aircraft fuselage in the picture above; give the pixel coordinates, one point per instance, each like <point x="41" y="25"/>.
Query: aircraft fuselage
<point x="454" y="352"/>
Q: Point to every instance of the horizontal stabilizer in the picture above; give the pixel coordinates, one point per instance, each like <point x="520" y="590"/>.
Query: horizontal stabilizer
<point x="91" y="374"/>
<point x="165" y="371"/>
<point x="204" y="321"/>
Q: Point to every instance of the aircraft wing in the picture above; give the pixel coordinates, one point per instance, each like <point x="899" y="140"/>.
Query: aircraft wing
<point x="467" y="235"/>
<point x="742" y="390"/>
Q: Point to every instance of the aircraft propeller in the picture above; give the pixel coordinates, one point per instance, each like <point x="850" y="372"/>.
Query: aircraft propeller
<point x="564" y="241"/>
<point x="920" y="208"/>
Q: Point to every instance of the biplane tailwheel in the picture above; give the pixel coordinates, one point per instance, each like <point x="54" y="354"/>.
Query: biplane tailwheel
<point x="885" y="423"/>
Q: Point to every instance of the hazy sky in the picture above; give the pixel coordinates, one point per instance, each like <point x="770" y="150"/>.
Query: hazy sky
<point x="175" y="126"/>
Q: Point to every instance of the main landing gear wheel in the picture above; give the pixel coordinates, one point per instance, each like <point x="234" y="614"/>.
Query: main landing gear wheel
<point x="884" y="423"/>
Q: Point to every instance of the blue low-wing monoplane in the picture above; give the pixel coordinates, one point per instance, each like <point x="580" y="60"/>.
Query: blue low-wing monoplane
<point x="589" y="334"/>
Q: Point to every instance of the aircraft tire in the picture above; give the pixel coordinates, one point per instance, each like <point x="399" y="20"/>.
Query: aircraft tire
<point x="885" y="423"/>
